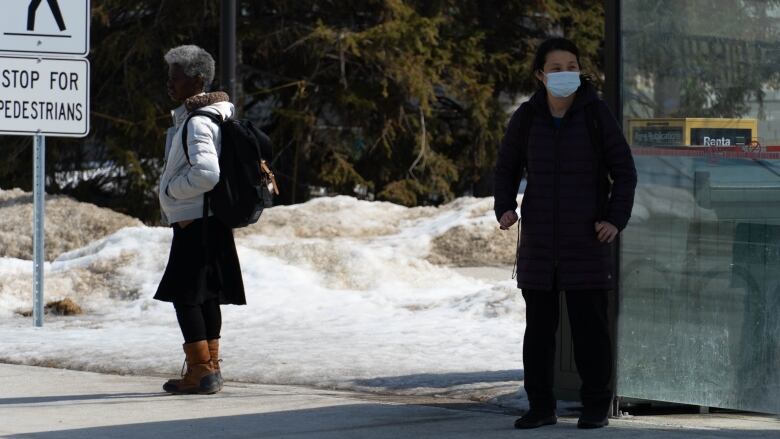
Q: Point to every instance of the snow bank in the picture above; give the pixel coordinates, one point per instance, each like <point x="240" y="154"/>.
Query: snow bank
<point x="342" y="293"/>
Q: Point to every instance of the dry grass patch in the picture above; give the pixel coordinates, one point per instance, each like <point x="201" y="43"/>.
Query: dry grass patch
<point x="64" y="307"/>
<point x="474" y="246"/>
<point x="69" y="224"/>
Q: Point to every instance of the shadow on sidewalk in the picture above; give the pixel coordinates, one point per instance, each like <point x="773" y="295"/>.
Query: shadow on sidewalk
<point x="372" y="421"/>
<point x="73" y="398"/>
<point x="442" y="379"/>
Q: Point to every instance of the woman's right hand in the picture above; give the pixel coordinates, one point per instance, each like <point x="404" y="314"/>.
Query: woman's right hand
<point x="507" y="219"/>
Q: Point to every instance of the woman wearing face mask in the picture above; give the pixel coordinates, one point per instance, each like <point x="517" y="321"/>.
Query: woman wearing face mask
<point x="569" y="218"/>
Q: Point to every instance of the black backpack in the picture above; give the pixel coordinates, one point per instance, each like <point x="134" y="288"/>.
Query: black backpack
<point x="246" y="184"/>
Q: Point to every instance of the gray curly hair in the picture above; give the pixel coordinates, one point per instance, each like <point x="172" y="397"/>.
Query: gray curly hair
<point x="194" y="61"/>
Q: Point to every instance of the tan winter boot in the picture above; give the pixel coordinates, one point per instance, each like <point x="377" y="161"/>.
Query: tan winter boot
<point x="200" y="377"/>
<point x="214" y="353"/>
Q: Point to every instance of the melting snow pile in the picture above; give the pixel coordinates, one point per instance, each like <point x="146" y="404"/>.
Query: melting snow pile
<point x="342" y="293"/>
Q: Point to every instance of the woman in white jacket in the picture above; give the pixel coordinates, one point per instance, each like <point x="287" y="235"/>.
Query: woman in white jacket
<point x="203" y="270"/>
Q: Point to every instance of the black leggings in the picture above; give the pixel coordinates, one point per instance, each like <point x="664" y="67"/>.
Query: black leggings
<point x="199" y="322"/>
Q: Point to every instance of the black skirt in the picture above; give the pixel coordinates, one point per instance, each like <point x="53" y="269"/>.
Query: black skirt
<point x="197" y="273"/>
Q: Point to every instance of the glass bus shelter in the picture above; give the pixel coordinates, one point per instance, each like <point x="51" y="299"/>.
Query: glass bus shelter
<point x="696" y="84"/>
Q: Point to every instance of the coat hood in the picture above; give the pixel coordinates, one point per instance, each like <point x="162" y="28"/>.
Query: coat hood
<point x="205" y="99"/>
<point x="217" y="102"/>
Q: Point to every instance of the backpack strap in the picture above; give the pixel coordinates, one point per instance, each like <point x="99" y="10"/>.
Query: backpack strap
<point x="217" y="119"/>
<point x="596" y="134"/>
<point x="524" y="133"/>
<point x="526" y="118"/>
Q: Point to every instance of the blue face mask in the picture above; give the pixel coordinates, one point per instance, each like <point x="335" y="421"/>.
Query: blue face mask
<point x="562" y="84"/>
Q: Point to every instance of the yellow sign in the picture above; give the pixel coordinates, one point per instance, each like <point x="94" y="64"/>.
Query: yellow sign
<point x="692" y="131"/>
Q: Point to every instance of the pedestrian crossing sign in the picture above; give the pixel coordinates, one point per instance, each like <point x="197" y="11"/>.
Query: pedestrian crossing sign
<point x="47" y="27"/>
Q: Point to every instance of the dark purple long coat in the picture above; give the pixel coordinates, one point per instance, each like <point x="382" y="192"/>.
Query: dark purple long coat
<point x="558" y="246"/>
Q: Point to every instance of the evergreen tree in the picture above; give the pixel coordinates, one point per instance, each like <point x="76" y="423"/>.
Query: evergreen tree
<point x="406" y="99"/>
<point x="121" y="159"/>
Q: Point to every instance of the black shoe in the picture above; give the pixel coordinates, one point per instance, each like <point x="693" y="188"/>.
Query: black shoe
<point x="593" y="418"/>
<point x="536" y="419"/>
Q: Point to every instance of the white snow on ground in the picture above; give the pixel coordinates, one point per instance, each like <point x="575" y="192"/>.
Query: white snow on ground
<point x="340" y="291"/>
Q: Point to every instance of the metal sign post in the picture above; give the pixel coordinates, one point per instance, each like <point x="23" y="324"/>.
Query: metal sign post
<point x="43" y="96"/>
<point x="39" y="195"/>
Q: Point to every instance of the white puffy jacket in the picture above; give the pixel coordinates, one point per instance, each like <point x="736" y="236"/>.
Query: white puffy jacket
<point x="183" y="184"/>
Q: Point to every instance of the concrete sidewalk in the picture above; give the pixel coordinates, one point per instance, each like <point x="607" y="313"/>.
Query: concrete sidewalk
<point x="54" y="403"/>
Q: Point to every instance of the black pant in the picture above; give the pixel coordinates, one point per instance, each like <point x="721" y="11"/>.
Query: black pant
<point x="592" y="346"/>
<point x="199" y="322"/>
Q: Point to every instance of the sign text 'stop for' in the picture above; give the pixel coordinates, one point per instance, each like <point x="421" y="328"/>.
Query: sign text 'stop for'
<point x="44" y="96"/>
<point x="46" y="27"/>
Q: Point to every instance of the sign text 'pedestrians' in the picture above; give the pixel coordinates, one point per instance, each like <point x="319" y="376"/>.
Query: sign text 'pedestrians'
<point x="44" y="96"/>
